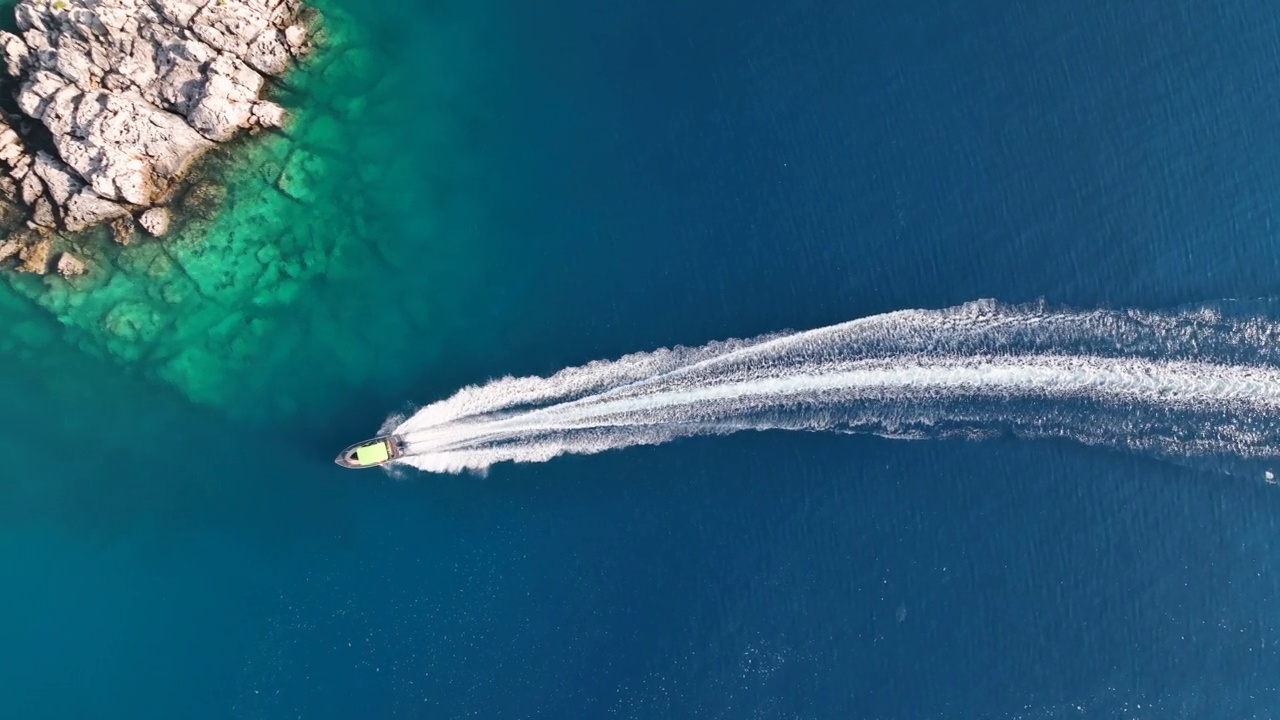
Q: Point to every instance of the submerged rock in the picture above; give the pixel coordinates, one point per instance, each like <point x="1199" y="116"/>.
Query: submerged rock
<point x="122" y="230"/>
<point x="299" y="174"/>
<point x="34" y="254"/>
<point x="131" y="92"/>
<point x="203" y="199"/>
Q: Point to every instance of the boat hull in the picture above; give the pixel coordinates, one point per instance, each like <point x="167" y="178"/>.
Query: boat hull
<point x="371" y="453"/>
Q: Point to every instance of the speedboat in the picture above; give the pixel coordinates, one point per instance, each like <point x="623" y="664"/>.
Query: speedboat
<point x="371" y="453"/>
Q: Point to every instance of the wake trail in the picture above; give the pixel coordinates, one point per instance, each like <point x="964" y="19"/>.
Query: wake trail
<point x="1200" y="384"/>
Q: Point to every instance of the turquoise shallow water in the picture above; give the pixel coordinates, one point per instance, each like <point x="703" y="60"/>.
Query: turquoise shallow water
<point x="499" y="188"/>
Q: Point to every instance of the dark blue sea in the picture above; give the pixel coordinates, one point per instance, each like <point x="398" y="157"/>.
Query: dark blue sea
<point x="619" y="177"/>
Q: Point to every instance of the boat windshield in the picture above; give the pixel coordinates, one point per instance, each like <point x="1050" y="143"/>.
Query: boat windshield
<point x="373" y="453"/>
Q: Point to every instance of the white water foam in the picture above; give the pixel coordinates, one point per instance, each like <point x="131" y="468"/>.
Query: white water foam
<point x="1194" y="384"/>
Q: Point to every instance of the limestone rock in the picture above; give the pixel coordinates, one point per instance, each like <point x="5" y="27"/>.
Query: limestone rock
<point x="119" y="143"/>
<point x="132" y="91"/>
<point x="9" y="248"/>
<point x="155" y="221"/>
<point x="70" y="265"/>
<point x="87" y="208"/>
<point x="16" y="54"/>
<point x="15" y="166"/>
<point x="42" y="213"/>
<point x="32" y="189"/>
<point x="268" y="115"/>
<point x="268" y="53"/>
<point x="225" y="103"/>
<point x="177" y="12"/>
<point x="11" y="150"/>
<point x="60" y="182"/>
<point x="231" y="26"/>
<point x="296" y="37"/>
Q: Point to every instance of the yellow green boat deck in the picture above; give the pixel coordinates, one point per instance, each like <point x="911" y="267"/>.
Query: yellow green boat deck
<point x="370" y="453"/>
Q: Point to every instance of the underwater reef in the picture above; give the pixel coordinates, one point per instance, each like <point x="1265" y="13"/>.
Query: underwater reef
<point x="107" y="105"/>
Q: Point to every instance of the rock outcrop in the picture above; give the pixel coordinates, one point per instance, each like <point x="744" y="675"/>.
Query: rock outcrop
<point x="69" y="265"/>
<point x="118" y="97"/>
<point x="9" y="248"/>
<point x="155" y="221"/>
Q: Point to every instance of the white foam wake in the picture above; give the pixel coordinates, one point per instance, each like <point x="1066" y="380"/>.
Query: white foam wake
<point x="1194" y="384"/>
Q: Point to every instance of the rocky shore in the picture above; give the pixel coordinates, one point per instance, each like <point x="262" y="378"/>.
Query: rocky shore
<point x="107" y="103"/>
